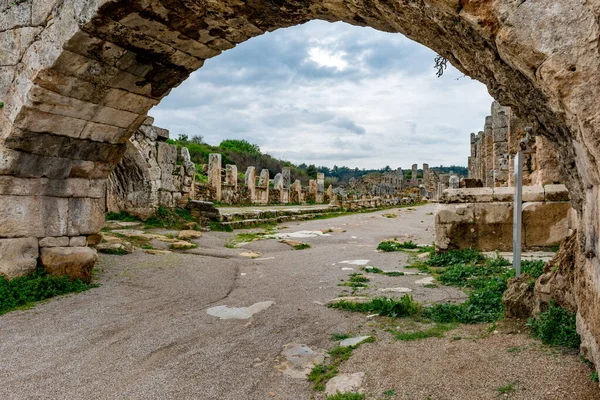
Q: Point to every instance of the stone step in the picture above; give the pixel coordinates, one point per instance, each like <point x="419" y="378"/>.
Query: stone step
<point x="252" y="222"/>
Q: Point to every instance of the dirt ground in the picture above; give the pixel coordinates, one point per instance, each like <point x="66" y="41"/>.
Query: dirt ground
<point x="154" y="327"/>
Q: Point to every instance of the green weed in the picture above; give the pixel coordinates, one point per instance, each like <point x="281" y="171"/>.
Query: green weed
<point x="302" y="246"/>
<point x="346" y="396"/>
<point x="509" y="388"/>
<point x="404" y="307"/>
<point x="556" y="326"/>
<point x="123" y="216"/>
<point x="26" y="290"/>
<point x="178" y="218"/>
<point x="452" y="257"/>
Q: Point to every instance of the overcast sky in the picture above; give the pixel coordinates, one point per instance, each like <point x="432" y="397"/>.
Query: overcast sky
<point x="327" y="94"/>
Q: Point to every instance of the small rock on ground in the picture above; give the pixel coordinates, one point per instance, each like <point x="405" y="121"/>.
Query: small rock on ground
<point x="345" y="383"/>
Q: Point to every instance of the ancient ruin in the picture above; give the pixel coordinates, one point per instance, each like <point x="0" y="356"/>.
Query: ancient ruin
<point x="80" y="77"/>
<point x="152" y="173"/>
<point x="493" y="150"/>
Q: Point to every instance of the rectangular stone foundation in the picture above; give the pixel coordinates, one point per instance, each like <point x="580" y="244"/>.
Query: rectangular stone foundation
<point x="483" y="220"/>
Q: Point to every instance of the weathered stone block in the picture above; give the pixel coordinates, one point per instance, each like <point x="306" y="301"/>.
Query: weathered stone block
<point x="55" y="214"/>
<point x="62" y="241"/>
<point x="475" y="195"/>
<point x="75" y="262"/>
<point x="494" y="226"/>
<point x="545" y="224"/>
<point x="556" y="193"/>
<point x="78" y="241"/>
<point x="18" y="257"/>
<point x="16" y="15"/>
<point x="504" y="194"/>
<point x="86" y="216"/>
<point x="533" y="193"/>
<point x="21" y="216"/>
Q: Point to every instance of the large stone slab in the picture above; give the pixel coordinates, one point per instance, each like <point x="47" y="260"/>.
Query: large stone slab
<point x="75" y="262"/>
<point x="18" y="257"/>
<point x="545" y="224"/>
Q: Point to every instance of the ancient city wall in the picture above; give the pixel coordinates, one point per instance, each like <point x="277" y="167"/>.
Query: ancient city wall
<point x="482" y="218"/>
<point x="493" y="150"/>
<point x="152" y="173"/>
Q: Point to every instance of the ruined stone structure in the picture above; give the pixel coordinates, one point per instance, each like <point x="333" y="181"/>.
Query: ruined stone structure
<point x="395" y="182"/>
<point x="80" y="76"/>
<point x="152" y="173"/>
<point x="482" y="218"/>
<point x="493" y="151"/>
<point x="223" y="186"/>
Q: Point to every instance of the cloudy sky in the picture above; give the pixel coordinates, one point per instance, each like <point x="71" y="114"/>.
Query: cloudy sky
<point x="327" y="94"/>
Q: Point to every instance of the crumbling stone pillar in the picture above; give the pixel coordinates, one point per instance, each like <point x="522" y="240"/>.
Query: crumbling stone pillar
<point x="426" y="176"/>
<point x="286" y="177"/>
<point x="320" y="187"/>
<point x="312" y="191"/>
<point x="413" y="177"/>
<point x="454" y="182"/>
<point x="329" y="196"/>
<point x="262" y="190"/>
<point x="500" y="144"/>
<point x="251" y="183"/>
<point x="214" y="174"/>
<point x="231" y="176"/>
<point x="489" y="151"/>
<point x="296" y="192"/>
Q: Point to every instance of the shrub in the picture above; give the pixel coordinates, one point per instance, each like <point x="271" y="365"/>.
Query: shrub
<point x="121" y="216"/>
<point x="535" y="268"/>
<point x="556" y="326"/>
<point x="25" y="290"/>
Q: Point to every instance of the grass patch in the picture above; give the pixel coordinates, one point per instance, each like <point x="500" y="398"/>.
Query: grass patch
<point x="178" y="218"/>
<point x="405" y="307"/>
<point x="453" y="257"/>
<point x="437" y="331"/>
<point x="346" y="396"/>
<point x="376" y="270"/>
<point x="509" y="388"/>
<point x="393" y="245"/>
<point x="336" y="337"/>
<point x="23" y="291"/>
<point x="122" y="216"/>
<point x="120" y="251"/>
<point x="594" y="376"/>
<point x="218" y="227"/>
<point x="556" y="327"/>
<point x="302" y="246"/>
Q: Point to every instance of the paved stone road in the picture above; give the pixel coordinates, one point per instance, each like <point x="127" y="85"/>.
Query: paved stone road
<point x="154" y="329"/>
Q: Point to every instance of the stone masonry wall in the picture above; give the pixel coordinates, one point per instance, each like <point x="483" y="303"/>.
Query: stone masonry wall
<point x="493" y="151"/>
<point x="482" y="218"/>
<point x="152" y="173"/>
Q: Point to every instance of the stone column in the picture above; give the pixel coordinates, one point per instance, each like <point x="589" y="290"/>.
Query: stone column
<point x="330" y="193"/>
<point x="454" y="182"/>
<point x="489" y="151"/>
<point x="214" y="174"/>
<point x="426" y="176"/>
<point x="262" y="191"/>
<point x="231" y="176"/>
<point x="251" y="183"/>
<point x="500" y="144"/>
<point x="312" y="190"/>
<point x="320" y="187"/>
<point x="413" y="178"/>
<point x="278" y="186"/>
<point x="285" y="191"/>
<point x="296" y="193"/>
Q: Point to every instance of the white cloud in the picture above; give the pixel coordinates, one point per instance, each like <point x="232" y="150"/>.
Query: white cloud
<point x="365" y="99"/>
<point x="327" y="58"/>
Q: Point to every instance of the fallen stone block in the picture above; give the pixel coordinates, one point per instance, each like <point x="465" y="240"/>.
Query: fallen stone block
<point x="75" y="262"/>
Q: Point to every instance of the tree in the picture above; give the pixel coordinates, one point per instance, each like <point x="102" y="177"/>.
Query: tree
<point x="242" y="146"/>
<point x="183" y="138"/>
<point x="199" y="139"/>
<point x="311" y="171"/>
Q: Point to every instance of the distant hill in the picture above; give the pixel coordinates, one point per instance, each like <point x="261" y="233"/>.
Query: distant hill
<point x="244" y="154"/>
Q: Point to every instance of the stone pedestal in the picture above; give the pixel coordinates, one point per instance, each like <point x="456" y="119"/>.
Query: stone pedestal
<point x="214" y="174"/>
<point x="262" y="190"/>
<point x="251" y="183"/>
<point x="320" y="187"/>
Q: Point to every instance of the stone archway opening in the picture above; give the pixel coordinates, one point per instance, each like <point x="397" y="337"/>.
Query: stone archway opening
<point x="79" y="77"/>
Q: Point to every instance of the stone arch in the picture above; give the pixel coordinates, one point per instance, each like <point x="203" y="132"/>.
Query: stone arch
<point x="81" y="75"/>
